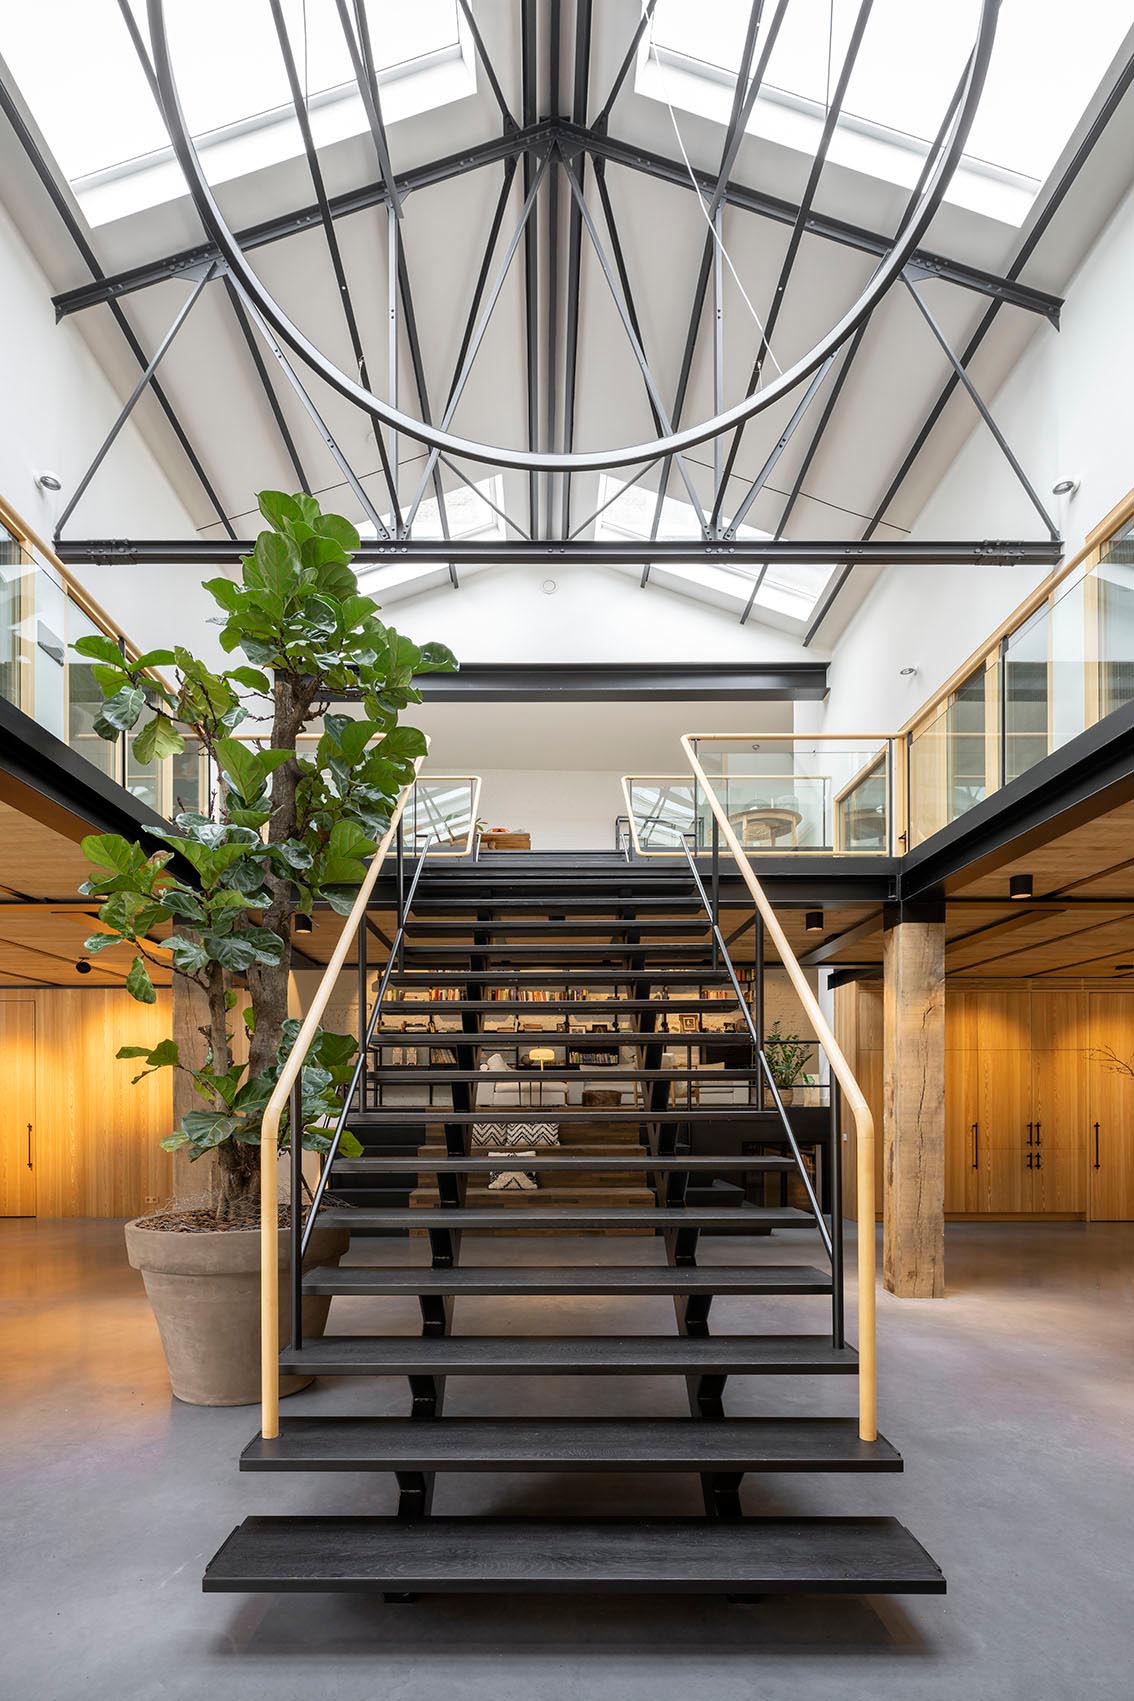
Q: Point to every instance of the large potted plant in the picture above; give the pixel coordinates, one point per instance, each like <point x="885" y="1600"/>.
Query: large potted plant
<point x="282" y="830"/>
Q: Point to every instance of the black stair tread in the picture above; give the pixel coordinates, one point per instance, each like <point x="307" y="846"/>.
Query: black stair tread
<point x="515" y="1279"/>
<point x="574" y="1355"/>
<point x="569" y="904"/>
<point x="696" y="952"/>
<point x="544" y="925"/>
<point x="419" y="1114"/>
<point x="599" y="1073"/>
<point x="550" y="1162"/>
<point x="593" y="1039"/>
<point x="742" y="1218"/>
<point x="551" y="978"/>
<point x="569" y="1444"/>
<point x="552" y="1006"/>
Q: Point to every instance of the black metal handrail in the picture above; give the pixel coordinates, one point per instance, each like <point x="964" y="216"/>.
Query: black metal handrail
<point x="301" y="1236"/>
<point x="721" y="952"/>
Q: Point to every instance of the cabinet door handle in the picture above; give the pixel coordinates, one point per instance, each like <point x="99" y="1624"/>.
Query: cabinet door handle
<point x="1039" y="1161"/>
<point x="1038" y="1125"/>
<point x="976" y="1145"/>
<point x="1097" y="1164"/>
<point x="1029" y="1160"/>
<point x="1031" y="1125"/>
<point x="29" y="1147"/>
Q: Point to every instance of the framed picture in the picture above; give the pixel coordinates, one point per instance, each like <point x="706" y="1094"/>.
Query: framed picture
<point x="688" y="1024"/>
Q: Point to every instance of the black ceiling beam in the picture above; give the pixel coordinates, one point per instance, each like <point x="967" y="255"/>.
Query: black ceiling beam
<point x="74" y="230"/>
<point x="580" y="95"/>
<point x="1006" y="289"/>
<point x="627" y="682"/>
<point x="1075" y="164"/>
<point x="277" y="229"/>
<point x="552" y="270"/>
<point x="273" y="400"/>
<point x="489" y="68"/>
<point x="738" y="552"/>
<point x="798" y="230"/>
<point x="529" y="74"/>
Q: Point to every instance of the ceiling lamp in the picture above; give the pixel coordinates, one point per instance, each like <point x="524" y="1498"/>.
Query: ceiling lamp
<point x="1020" y="886"/>
<point x="813" y="921"/>
<point x="301" y="924"/>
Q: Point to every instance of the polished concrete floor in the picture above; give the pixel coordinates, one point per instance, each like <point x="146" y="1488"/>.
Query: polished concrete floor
<point x="1012" y="1400"/>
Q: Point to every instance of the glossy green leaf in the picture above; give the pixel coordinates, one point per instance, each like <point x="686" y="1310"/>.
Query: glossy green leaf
<point x="138" y="983"/>
<point x="99" y="647"/>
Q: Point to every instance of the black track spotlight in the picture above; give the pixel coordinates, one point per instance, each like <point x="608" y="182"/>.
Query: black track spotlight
<point x="302" y="924"/>
<point x="82" y="967"/>
<point x="813" y="921"/>
<point x="1020" y="886"/>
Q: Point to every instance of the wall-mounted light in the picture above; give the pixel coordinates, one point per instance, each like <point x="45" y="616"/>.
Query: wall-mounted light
<point x="82" y="967"/>
<point x="49" y="481"/>
<point x="907" y="672"/>
<point x="1065" y="487"/>
<point x="301" y="924"/>
<point x="1020" y="886"/>
<point x="813" y="921"/>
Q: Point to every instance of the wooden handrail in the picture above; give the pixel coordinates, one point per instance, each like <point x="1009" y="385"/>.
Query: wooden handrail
<point x="852" y="1094"/>
<point x="270" y="1131"/>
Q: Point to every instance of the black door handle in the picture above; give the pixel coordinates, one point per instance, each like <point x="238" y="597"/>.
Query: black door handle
<point x="976" y="1145"/>
<point x="1031" y="1125"/>
<point x="1029" y="1160"/>
<point x="1038" y="1125"/>
<point x="29" y="1146"/>
<point x="1097" y="1164"/>
<point x="1039" y="1160"/>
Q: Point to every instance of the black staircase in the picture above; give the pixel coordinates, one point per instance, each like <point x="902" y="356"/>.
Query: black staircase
<point x="627" y="936"/>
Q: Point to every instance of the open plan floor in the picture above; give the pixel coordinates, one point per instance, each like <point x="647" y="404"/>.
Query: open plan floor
<point x="1013" y="1399"/>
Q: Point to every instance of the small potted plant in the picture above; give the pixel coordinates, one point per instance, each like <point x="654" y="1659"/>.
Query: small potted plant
<point x="214" y="904"/>
<point x="787" y="1056"/>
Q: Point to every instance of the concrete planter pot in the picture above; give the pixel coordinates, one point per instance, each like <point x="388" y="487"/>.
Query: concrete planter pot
<point x="205" y="1294"/>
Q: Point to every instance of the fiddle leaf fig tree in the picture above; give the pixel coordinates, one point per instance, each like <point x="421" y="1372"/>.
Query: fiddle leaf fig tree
<point x="281" y="831"/>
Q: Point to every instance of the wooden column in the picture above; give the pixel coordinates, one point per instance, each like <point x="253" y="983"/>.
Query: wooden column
<point x="913" y="1189"/>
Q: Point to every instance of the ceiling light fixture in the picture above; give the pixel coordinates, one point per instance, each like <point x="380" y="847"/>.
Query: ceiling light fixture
<point x="813" y="921"/>
<point x="82" y="967"/>
<point x="1020" y="886"/>
<point x="907" y="671"/>
<point x="49" y="481"/>
<point x="549" y="587"/>
<point x="302" y="924"/>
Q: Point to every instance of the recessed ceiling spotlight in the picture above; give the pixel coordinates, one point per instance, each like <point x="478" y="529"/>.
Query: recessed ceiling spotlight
<point x="49" y="481"/>
<point x="813" y="921"/>
<point x="302" y="924"/>
<point x="83" y="967"/>
<point x="1020" y="886"/>
<point x="549" y="587"/>
<point x="1065" y="487"/>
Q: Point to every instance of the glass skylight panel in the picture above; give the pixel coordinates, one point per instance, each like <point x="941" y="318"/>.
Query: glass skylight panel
<point x="469" y="516"/>
<point x="77" y="69"/>
<point x="1044" y="70"/>
<point x="792" y="591"/>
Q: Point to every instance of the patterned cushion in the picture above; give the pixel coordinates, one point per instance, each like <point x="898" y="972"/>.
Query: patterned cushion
<point x="515" y="1136"/>
<point x="512" y="1180"/>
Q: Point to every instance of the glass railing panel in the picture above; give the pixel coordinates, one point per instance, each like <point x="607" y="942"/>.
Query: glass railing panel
<point x="803" y="794"/>
<point x="17" y="585"/>
<point x="1111" y="624"/>
<point x="664" y="812"/>
<point x="441" y="812"/>
<point x="73" y="677"/>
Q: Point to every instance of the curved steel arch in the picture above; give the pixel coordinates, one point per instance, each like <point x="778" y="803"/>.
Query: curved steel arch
<point x="887" y="272"/>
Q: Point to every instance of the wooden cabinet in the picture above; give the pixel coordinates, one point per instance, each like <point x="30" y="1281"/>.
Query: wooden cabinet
<point x="1109" y="1166"/>
<point x="17" y="1110"/>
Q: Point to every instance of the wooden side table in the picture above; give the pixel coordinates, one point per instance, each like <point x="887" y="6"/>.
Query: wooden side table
<point x="764" y="827"/>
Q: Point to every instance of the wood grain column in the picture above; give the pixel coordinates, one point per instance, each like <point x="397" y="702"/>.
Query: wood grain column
<point x="913" y="1188"/>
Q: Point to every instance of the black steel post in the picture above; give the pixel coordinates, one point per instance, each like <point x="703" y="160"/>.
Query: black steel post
<point x="295" y="1135"/>
<point x="758" y="997"/>
<point x="400" y="848"/>
<point x="835" y="1193"/>
<point x="716" y="888"/>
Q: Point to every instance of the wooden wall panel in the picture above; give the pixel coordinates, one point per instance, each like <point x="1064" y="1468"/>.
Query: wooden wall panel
<point x="97" y="1152"/>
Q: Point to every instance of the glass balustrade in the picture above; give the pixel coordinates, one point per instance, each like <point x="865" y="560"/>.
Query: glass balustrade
<point x="787" y="793"/>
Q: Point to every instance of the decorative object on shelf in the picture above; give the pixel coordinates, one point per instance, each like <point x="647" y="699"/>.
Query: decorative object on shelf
<point x="503" y="838"/>
<point x="280" y="832"/>
<point x="600" y="1098"/>
<point x="512" y="1180"/>
<point x="787" y="1056"/>
<point x="514" y="1138"/>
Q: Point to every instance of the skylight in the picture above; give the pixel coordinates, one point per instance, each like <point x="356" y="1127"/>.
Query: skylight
<point x="791" y="591"/>
<point x="76" y="67"/>
<point x="1045" y="67"/>
<point x="469" y="513"/>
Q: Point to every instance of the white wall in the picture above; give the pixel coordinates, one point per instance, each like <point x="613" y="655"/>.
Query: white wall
<point x="58" y="407"/>
<point x="562" y="811"/>
<point x="1065" y="410"/>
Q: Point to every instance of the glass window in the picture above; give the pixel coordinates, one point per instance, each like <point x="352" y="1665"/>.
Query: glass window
<point x="84" y="699"/>
<point x="1027" y="697"/>
<point x="1114" y="577"/>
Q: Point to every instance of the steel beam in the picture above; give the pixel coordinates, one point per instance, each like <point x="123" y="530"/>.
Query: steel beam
<point x="580" y="95"/>
<point x="1115" y="96"/>
<point x="778" y="448"/>
<point x="489" y="68"/>
<point x="129" y="404"/>
<point x="1001" y="288"/>
<point x="528" y="76"/>
<point x="738" y="552"/>
<point x="552" y="304"/>
<point x="251" y="237"/>
<point x="74" y="230"/>
<point x="268" y="387"/>
<point x="799" y="226"/>
<point x="603" y="114"/>
<point x="299" y="105"/>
